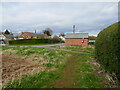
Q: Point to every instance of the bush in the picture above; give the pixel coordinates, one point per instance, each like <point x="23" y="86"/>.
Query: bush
<point x="108" y="49"/>
<point x="57" y="39"/>
<point x="91" y="43"/>
<point x="35" y="41"/>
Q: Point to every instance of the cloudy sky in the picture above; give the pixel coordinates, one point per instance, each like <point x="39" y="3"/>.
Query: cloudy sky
<point x="91" y="17"/>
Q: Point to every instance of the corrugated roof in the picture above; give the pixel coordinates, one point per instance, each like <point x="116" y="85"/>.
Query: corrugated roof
<point x="76" y="35"/>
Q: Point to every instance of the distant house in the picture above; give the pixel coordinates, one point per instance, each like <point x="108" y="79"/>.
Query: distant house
<point x="2" y="36"/>
<point x="6" y="37"/>
<point x="29" y="35"/>
<point x="76" y="39"/>
<point x="62" y="38"/>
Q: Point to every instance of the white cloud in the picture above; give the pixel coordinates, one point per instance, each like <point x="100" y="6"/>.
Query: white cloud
<point x="0" y="17"/>
<point x="59" y="0"/>
<point x="85" y="16"/>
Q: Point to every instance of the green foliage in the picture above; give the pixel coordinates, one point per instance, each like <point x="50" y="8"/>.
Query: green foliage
<point x="56" y="39"/>
<point x="53" y="58"/>
<point x="84" y="72"/>
<point x="91" y="43"/>
<point x="76" y="48"/>
<point x="85" y="67"/>
<point x="6" y="32"/>
<point x="38" y="80"/>
<point x="83" y="75"/>
<point x="62" y="34"/>
<point x="34" y="41"/>
<point x="108" y="48"/>
<point x="48" y="31"/>
<point x="92" y="37"/>
<point x="49" y="64"/>
<point x="89" y="80"/>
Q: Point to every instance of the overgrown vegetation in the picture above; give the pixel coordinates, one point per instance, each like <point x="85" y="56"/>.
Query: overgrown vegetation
<point x="76" y="48"/>
<point x="92" y="37"/>
<point x="39" y="80"/>
<point x="91" y="43"/>
<point x="35" y="41"/>
<point x="108" y="49"/>
<point x="52" y="58"/>
<point x="83" y="74"/>
<point x="48" y="31"/>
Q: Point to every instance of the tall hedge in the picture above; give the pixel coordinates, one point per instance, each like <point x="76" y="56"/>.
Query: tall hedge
<point x="108" y="49"/>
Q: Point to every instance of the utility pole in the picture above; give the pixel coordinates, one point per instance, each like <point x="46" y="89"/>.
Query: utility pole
<point x="73" y="28"/>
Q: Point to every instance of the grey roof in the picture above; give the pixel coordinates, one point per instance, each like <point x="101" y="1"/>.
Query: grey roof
<point x="76" y="35"/>
<point x="8" y="36"/>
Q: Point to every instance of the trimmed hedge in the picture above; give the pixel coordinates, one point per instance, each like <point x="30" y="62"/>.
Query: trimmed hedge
<point x="107" y="47"/>
<point x="35" y="41"/>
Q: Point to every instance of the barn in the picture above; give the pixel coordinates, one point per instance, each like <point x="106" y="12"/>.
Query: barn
<point x="76" y="39"/>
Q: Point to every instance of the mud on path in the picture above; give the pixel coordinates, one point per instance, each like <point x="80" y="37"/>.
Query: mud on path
<point x="67" y="79"/>
<point x="16" y="66"/>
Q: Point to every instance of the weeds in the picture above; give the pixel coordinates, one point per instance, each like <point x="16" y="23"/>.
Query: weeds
<point x="76" y="48"/>
<point x="39" y="80"/>
<point x="83" y="75"/>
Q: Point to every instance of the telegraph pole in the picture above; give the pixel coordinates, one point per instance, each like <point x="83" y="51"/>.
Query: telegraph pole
<point x="73" y="28"/>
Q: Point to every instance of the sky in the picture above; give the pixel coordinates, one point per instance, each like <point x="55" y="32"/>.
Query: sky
<point x="91" y="17"/>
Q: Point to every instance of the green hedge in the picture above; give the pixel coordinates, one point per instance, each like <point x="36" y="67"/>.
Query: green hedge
<point x="35" y="41"/>
<point x="91" y="43"/>
<point x="108" y="49"/>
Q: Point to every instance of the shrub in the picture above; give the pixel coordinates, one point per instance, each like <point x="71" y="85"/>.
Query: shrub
<point x="35" y="41"/>
<point x="91" y="43"/>
<point x="108" y="49"/>
<point x="57" y="39"/>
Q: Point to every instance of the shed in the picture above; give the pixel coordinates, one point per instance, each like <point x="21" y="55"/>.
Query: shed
<point x="76" y="39"/>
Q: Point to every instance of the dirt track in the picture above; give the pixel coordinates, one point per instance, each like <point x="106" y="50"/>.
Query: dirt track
<point x="67" y="80"/>
<point x="15" y="66"/>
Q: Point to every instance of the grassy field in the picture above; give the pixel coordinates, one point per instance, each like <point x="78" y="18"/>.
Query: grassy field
<point x="76" y="48"/>
<point x="35" y="44"/>
<point x="72" y="70"/>
<point x="50" y="56"/>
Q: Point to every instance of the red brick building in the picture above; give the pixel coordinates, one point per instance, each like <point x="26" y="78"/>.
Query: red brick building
<point x="76" y="39"/>
<point x="28" y="35"/>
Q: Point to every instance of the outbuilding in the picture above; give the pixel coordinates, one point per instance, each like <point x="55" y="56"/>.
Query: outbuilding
<point x="76" y="39"/>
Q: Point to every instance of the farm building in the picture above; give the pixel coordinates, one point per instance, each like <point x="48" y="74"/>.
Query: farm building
<point x="76" y="39"/>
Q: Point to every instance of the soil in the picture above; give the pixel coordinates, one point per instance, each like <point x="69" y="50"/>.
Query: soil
<point x="16" y="66"/>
